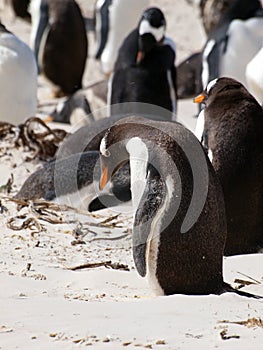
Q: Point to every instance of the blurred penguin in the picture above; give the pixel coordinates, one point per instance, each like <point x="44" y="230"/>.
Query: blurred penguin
<point x="114" y="21"/>
<point x="59" y="40"/>
<point x="18" y="79"/>
<point x="212" y="11"/>
<point x="233" y="42"/>
<point x="145" y="71"/>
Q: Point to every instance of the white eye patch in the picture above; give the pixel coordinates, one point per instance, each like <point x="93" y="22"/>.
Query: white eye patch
<point x="146" y="28"/>
<point x="210" y="85"/>
<point x="103" y="148"/>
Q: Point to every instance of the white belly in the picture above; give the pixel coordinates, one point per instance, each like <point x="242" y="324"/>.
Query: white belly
<point x="245" y="40"/>
<point x="124" y="16"/>
<point x="254" y="76"/>
<point x="18" y="80"/>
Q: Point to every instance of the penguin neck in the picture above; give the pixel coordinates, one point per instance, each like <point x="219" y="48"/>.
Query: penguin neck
<point x="138" y="152"/>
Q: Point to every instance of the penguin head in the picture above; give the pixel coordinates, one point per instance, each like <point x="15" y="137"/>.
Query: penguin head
<point x="151" y="29"/>
<point x="220" y="88"/>
<point x="113" y="154"/>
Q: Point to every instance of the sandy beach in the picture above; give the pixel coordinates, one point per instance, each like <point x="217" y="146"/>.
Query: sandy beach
<point x="68" y="280"/>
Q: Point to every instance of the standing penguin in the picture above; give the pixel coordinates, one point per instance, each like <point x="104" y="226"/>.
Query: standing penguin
<point x="231" y="130"/>
<point x="145" y="68"/>
<point x="114" y="21"/>
<point x="18" y="79"/>
<point x="179" y="226"/>
<point x="233" y="42"/>
<point x="59" y="40"/>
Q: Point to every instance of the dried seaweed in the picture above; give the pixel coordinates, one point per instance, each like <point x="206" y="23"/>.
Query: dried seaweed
<point x="249" y="323"/>
<point x="243" y="283"/>
<point x="22" y="222"/>
<point x="6" y="129"/>
<point x="252" y="279"/>
<point x="8" y="186"/>
<point x="224" y="335"/>
<point x="107" y="264"/>
<point x="34" y="135"/>
<point x="3" y="209"/>
<point x="109" y="238"/>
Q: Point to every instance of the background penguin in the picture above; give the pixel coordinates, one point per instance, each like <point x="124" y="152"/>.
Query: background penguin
<point x="254" y="76"/>
<point x="20" y="8"/>
<point x="211" y="12"/>
<point x="232" y="134"/>
<point x="18" y="79"/>
<point x="59" y="40"/>
<point x="74" y="181"/>
<point x="74" y="110"/>
<point x="177" y="252"/>
<point x="88" y="137"/>
<point x="114" y="20"/>
<point x="145" y="68"/>
<point x="233" y="42"/>
<point x="188" y="76"/>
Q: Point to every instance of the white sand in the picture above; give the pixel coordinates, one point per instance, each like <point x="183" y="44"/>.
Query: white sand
<point x="44" y="305"/>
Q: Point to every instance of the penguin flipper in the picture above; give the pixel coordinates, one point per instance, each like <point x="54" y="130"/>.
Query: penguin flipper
<point x="150" y="202"/>
<point x="102" y="17"/>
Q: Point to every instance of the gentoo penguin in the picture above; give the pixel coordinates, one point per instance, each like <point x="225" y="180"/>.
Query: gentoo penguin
<point x="114" y="20"/>
<point x="211" y="12"/>
<point x="18" y="79"/>
<point x="254" y="76"/>
<point x="231" y="130"/>
<point x="233" y="42"/>
<point x="145" y="68"/>
<point x="74" y="181"/>
<point x="59" y="40"/>
<point x="20" y="8"/>
<point x="179" y="226"/>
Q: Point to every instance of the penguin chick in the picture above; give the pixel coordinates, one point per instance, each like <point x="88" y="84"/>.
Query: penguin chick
<point x="74" y="181"/>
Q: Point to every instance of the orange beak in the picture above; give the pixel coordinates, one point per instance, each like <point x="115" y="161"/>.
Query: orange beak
<point x="48" y="119"/>
<point x="200" y="98"/>
<point x="104" y="177"/>
<point x="140" y="56"/>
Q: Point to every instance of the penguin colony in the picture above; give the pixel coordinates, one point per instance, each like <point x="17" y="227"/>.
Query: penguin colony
<point x="195" y="198"/>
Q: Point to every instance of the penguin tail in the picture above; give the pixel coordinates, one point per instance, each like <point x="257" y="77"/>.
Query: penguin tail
<point x="230" y="289"/>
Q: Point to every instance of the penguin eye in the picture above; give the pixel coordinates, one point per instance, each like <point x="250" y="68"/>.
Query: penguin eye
<point x="106" y="153"/>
